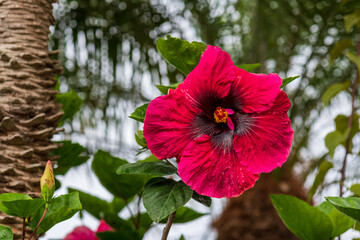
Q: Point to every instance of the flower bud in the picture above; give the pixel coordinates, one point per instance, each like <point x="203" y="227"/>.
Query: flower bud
<point x="47" y="183"/>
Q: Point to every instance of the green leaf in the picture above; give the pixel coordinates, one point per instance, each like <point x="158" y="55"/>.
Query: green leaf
<point x="125" y="186"/>
<point x="340" y="222"/>
<point x="19" y="205"/>
<point x="151" y="158"/>
<point x="355" y="189"/>
<point x="71" y="155"/>
<point x="139" y="113"/>
<point x="118" y="204"/>
<point x="118" y="235"/>
<point x="71" y="103"/>
<point x="350" y="4"/>
<point x="340" y="135"/>
<point x="23" y="208"/>
<point x="305" y="221"/>
<point x="249" y="67"/>
<point x="57" y="86"/>
<point x="333" y="90"/>
<point x="182" y="54"/>
<point x="57" y="184"/>
<point x="123" y="227"/>
<point x="333" y="139"/>
<point x="324" y="167"/>
<point x="341" y="123"/>
<point x="97" y="207"/>
<point x="163" y="196"/>
<point x="140" y="139"/>
<point x="6" y="233"/>
<point x="204" y="200"/>
<point x="145" y="223"/>
<point x="9" y="197"/>
<point x="184" y="215"/>
<point x="160" y="168"/>
<point x="182" y="237"/>
<point x="13" y="197"/>
<point x="60" y="209"/>
<point x="350" y="20"/>
<point x="339" y="47"/>
<point x="288" y="80"/>
<point x="350" y="206"/>
<point x="165" y="89"/>
<point x="357" y="226"/>
<point x="355" y="59"/>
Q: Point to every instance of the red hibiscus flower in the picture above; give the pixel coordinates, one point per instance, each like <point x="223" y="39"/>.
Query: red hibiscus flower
<point x="224" y="125"/>
<point x="85" y="233"/>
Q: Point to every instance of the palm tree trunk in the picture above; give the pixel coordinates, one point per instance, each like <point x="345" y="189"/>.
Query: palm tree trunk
<point x="252" y="215"/>
<point x="28" y="111"/>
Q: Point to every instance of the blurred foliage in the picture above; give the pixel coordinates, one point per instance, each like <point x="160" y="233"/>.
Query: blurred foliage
<point x="108" y="50"/>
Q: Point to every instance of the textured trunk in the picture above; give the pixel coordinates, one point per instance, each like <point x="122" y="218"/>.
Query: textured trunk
<point x="28" y="111"/>
<point x="252" y="215"/>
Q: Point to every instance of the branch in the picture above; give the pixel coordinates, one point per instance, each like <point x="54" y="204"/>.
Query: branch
<point x="350" y="123"/>
<point x="39" y="236"/>
<point x="37" y="226"/>
<point x="138" y="213"/>
<point x="23" y="230"/>
<point x="129" y="209"/>
<point x="169" y="162"/>
<point x="168" y="226"/>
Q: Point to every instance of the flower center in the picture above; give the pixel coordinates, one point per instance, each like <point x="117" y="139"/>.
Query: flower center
<point x="220" y="115"/>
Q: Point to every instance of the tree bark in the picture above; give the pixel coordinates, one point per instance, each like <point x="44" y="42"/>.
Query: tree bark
<point x="252" y="215"/>
<point x="28" y="111"/>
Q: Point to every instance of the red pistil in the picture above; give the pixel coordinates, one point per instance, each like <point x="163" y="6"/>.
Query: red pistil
<point x="221" y="115"/>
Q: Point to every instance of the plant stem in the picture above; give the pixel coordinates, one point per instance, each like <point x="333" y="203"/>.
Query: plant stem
<point x="129" y="209"/>
<point x="37" y="226"/>
<point x="39" y="236"/>
<point x="23" y="231"/>
<point x="138" y="213"/>
<point x="169" y="162"/>
<point x="168" y="226"/>
<point x="350" y="123"/>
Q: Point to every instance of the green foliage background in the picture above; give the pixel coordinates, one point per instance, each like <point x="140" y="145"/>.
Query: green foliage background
<point x="109" y="53"/>
<point x="108" y="50"/>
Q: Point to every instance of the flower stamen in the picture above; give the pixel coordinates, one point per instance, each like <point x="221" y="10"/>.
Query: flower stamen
<point x="220" y="115"/>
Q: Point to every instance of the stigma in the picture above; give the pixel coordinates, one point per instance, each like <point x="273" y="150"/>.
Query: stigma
<point x="221" y="115"/>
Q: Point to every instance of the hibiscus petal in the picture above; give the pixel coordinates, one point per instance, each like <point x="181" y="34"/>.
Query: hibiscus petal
<point x="265" y="142"/>
<point x="252" y="92"/>
<point x="213" y="171"/>
<point x="210" y="80"/>
<point x="81" y="233"/>
<point x="103" y="227"/>
<point x="230" y="123"/>
<point x="167" y="125"/>
<point x="230" y="111"/>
